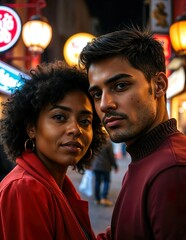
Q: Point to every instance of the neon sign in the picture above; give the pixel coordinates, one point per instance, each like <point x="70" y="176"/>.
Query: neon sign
<point x="10" y="78"/>
<point x="10" y="28"/>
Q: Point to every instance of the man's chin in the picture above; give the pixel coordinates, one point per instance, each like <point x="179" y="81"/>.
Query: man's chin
<point x="117" y="138"/>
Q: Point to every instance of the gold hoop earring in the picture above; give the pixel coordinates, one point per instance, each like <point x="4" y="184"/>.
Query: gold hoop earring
<point x="90" y="154"/>
<point x="29" y="145"/>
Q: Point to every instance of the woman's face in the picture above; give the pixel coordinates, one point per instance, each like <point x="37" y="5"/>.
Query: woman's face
<point x="64" y="132"/>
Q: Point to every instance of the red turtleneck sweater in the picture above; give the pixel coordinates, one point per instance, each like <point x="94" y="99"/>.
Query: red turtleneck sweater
<point x="152" y="201"/>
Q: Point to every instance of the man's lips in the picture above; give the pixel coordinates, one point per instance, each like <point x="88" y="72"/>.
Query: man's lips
<point x="112" y="121"/>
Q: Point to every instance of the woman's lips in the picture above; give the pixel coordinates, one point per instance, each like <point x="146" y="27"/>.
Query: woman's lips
<point x="72" y="146"/>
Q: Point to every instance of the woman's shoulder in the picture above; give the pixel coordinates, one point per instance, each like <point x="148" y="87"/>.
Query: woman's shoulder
<point x="20" y="182"/>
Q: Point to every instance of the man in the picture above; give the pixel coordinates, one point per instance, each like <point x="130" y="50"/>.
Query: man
<point x="126" y="71"/>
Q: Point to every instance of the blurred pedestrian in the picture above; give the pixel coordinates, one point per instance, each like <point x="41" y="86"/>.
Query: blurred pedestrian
<point x="102" y="166"/>
<point x="46" y="133"/>
<point x="86" y="184"/>
<point x="123" y="150"/>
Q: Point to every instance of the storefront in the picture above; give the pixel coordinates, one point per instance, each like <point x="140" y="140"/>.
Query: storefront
<point x="11" y="26"/>
<point x="3" y="98"/>
<point x="176" y="96"/>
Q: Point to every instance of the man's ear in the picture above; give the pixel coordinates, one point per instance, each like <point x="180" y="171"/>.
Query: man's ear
<point x="161" y="84"/>
<point x="30" y="129"/>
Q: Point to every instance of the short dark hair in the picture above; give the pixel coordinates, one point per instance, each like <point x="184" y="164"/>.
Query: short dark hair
<point x="49" y="83"/>
<point x="137" y="46"/>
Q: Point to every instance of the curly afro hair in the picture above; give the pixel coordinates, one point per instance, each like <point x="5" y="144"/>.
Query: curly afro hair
<point x="49" y="83"/>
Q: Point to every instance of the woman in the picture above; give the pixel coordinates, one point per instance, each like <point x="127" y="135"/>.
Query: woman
<point x="48" y="125"/>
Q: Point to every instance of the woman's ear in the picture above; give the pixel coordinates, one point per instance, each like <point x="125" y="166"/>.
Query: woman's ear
<point x="30" y="129"/>
<point x="161" y="85"/>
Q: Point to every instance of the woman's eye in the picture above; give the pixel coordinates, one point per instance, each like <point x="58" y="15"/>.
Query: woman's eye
<point x="96" y="95"/>
<point x="59" y="117"/>
<point x="86" y="122"/>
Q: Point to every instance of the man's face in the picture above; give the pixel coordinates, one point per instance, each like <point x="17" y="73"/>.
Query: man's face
<point x="124" y="99"/>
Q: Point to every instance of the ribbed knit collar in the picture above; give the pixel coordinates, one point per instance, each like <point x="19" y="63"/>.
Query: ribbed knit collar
<point x="147" y="143"/>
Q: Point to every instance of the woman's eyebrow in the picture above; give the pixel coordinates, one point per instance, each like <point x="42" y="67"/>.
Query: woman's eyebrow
<point x="87" y="112"/>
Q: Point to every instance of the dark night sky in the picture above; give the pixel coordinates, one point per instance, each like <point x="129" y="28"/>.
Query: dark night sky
<point x="112" y="14"/>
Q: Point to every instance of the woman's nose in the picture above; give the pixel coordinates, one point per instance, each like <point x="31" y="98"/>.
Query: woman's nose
<point x="74" y="129"/>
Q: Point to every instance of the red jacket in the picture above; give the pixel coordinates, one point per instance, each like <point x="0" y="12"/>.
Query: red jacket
<point x="33" y="207"/>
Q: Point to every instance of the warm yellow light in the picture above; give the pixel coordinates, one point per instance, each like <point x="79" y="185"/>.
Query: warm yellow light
<point x="184" y="105"/>
<point x="178" y="35"/>
<point x="37" y="34"/>
<point x="74" y="46"/>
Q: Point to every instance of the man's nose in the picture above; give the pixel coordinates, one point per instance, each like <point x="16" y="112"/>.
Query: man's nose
<point x="107" y="102"/>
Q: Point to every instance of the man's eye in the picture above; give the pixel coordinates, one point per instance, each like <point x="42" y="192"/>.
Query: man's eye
<point x="121" y="86"/>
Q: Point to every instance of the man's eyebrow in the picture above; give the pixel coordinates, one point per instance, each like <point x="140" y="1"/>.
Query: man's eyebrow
<point x="110" y="80"/>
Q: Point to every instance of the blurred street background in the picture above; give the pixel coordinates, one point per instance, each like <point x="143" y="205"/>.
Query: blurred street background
<point x="100" y="215"/>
